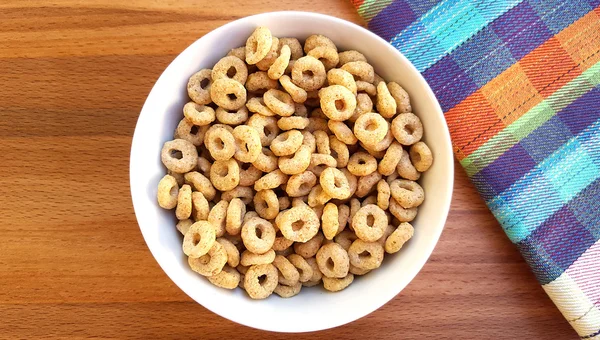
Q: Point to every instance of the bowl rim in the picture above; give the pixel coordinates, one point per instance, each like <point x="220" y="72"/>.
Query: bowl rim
<point x="444" y="208"/>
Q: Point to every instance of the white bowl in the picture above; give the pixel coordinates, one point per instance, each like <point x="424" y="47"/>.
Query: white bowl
<point x="314" y="308"/>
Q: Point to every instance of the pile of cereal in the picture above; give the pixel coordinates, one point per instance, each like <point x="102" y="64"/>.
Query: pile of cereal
<point x="289" y="170"/>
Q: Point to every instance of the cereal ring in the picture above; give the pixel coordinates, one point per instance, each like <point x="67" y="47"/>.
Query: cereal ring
<point x="179" y="178"/>
<point x="285" y="291"/>
<point x="342" y="132"/>
<point x="199" y="115"/>
<point x="316" y="124"/>
<point x="260" y="82"/>
<point x="200" y="183"/>
<point x="369" y="200"/>
<point x="279" y="102"/>
<point x="309" y="141"/>
<point x="337" y="102"/>
<point x="251" y="259"/>
<point x="288" y="274"/>
<point x="232" y="118"/>
<point x="284" y="202"/>
<point x="388" y="231"/>
<point x="257" y="289"/>
<point x="250" y="175"/>
<point x="298" y="224"/>
<point x="350" y="56"/>
<point x="354" y="206"/>
<point x="396" y="240"/>
<point x="308" y="73"/>
<point x="200" y="207"/>
<point x="366" y="87"/>
<point x="294" y="46"/>
<point x="377" y="79"/>
<point x="211" y="263"/>
<point x="204" y="165"/>
<point x="257" y="105"/>
<point x="352" y="180"/>
<point x="319" y="162"/>
<point x="317" y="40"/>
<point x="335" y="183"/>
<point x="184" y="203"/>
<point x="290" y="67"/>
<point x="243" y="269"/>
<point x="248" y="143"/>
<point x="292" y="123"/>
<point x="300" y="184"/>
<point x="386" y="105"/>
<point x="383" y="194"/>
<point x="258" y="234"/>
<point x="239" y="52"/>
<point x="244" y="193"/>
<point x="364" y="104"/>
<point x="168" y="191"/>
<point x="339" y="151"/>
<point x="280" y="64"/>
<point x="296" y="164"/>
<point x="390" y="160"/>
<point x="357" y="256"/>
<point x="420" y="156"/>
<point x="333" y="260"/>
<point x="407" y="128"/>
<point x="237" y="241"/>
<point x="230" y="67"/>
<point x="179" y="155"/>
<point x="297" y="93"/>
<point x="266" y="127"/>
<point x="326" y="55"/>
<point x="228" y="93"/>
<point x="228" y="278"/>
<point x="358" y="271"/>
<point x="199" y="239"/>
<point x="345" y="239"/>
<point x="287" y="143"/>
<point x="271" y="180"/>
<point x="330" y="221"/>
<point x="402" y="214"/>
<point x="233" y="254"/>
<point x="361" y="70"/>
<point x="235" y="216"/>
<point x="322" y="142"/>
<point x="337" y="76"/>
<point x="370" y="128"/>
<point x="401" y="97"/>
<point x="225" y="175"/>
<point x="366" y="184"/>
<point x="408" y="194"/>
<point x="270" y="58"/>
<point x="369" y="223"/>
<point x="217" y="217"/>
<point x="305" y="270"/>
<point x="266" y="161"/>
<point x="406" y="169"/>
<point x="343" y="216"/>
<point x="317" y="196"/>
<point x="316" y="273"/>
<point x="361" y="164"/>
<point x="258" y="45"/>
<point x="184" y="225"/>
<point x="199" y="85"/>
<point x="220" y="142"/>
<point x="266" y="204"/>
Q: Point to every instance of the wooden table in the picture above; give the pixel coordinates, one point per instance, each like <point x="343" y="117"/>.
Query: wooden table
<point x="73" y="264"/>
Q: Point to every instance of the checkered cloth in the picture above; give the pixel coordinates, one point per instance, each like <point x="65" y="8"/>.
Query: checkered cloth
<point x="519" y="82"/>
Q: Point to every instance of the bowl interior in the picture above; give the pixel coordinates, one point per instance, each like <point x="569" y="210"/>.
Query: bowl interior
<point x="314" y="308"/>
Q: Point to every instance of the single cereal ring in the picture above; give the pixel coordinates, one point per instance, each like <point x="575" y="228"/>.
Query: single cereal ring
<point x="402" y="214"/>
<point x="364" y="104"/>
<point x="401" y="97"/>
<point x="179" y="155"/>
<point x="358" y="271"/>
<point x="287" y="143"/>
<point x="369" y="232"/>
<point x="270" y="58"/>
<point x="271" y="180"/>
<point x="228" y="278"/>
<point x="284" y="202"/>
<point x="361" y="164"/>
<point x="230" y="67"/>
<point x="350" y="56"/>
<point x="406" y="169"/>
<point x="199" y="115"/>
<point x="316" y="272"/>
<point x="317" y="40"/>
<point x="235" y="216"/>
<point x="266" y="161"/>
<point x="308" y="73"/>
<point x="225" y="175"/>
<point x="343" y="216"/>
<point x="330" y="221"/>
<point x="237" y="241"/>
<point x="243" y="269"/>
<point x="292" y="123"/>
<point x="368" y="262"/>
<point x="286" y="291"/>
<point x="232" y="118"/>
<point x="297" y="93"/>
<point x="345" y="239"/>
<point x="370" y="128"/>
<point x="305" y="270"/>
<point x="352" y="181"/>
<point x="260" y="82"/>
<point x="233" y="254"/>
<point x="300" y="184"/>
<point x="258" y="45"/>
<point x="366" y="87"/>
<point x="211" y="263"/>
<point x="258" y="234"/>
<point x="326" y="55"/>
<point x="337" y="102"/>
<point x="217" y="217"/>
<point x="183" y="210"/>
<point x="322" y="142"/>
<point x="408" y="193"/>
<point x="257" y="105"/>
<point x="390" y="160"/>
<point x="339" y="151"/>
<point x="281" y="243"/>
<point x="361" y="70"/>
<point x="396" y="240"/>
<point x="386" y="105"/>
<point x="388" y="231"/>
<point x="337" y="76"/>
<point x="298" y="224"/>
<point x="309" y="141"/>
<point x="288" y="274"/>
<point x="407" y="128"/>
<point x="239" y="52"/>
<point x="296" y="164"/>
<point x="369" y="200"/>
<point x="319" y="162"/>
<point x="168" y="192"/>
<point x="383" y="194"/>
<point x="317" y="196"/>
<point x="380" y="147"/>
<point x="266" y="127"/>
<point x="257" y="289"/>
<point x="200" y="208"/>
<point x="294" y="45"/>
<point x="316" y="124"/>
<point x="342" y="132"/>
<point x="249" y="175"/>
<point x="204" y="165"/>
<point x="220" y="142"/>
<point x="200" y="183"/>
<point x="248" y="143"/>
<point x="184" y="225"/>
<point x="420" y="156"/>
<point x="335" y="183"/>
<point x="279" y="102"/>
<point x="199" y="239"/>
<point x="333" y="260"/>
<point x="266" y="204"/>
<point x="318" y="211"/>
<point x="179" y="178"/>
<point x="199" y="85"/>
<point x="366" y="184"/>
<point x="251" y="259"/>
<point x="228" y="93"/>
<point x="246" y="194"/>
<point x="280" y="64"/>
<point x="377" y="79"/>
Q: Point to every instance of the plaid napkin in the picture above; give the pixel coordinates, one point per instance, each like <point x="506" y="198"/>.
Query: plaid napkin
<point x="519" y="82"/>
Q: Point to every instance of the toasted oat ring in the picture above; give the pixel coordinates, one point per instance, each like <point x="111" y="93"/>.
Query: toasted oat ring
<point x="317" y="196"/>
<point x="286" y="291"/>
<point x="284" y="202"/>
<point x="369" y="200"/>
<point x="233" y="254"/>
<point x="401" y="97"/>
<point x="337" y="102"/>
<point x="289" y="275"/>
<point x="254" y="287"/>
<point x="179" y="178"/>
<point x="316" y="273"/>
<point x="305" y="270"/>
<point x="358" y="271"/>
<point x="383" y="194"/>
<point x="266" y="204"/>
<point x="386" y="105"/>
<point x="361" y="70"/>
<point x="271" y="180"/>
<point x="287" y="143"/>
<point x="168" y="191"/>
<point x="235" y="216"/>
<point x="292" y="123"/>
<point x="337" y="76"/>
<point x="343" y="216"/>
<point x="326" y="55"/>
<point x="200" y="208"/>
<point x="317" y="40"/>
<point x="199" y="85"/>
<point x="406" y="169"/>
<point x="366" y="184"/>
<point x="239" y="52"/>
<point x="396" y="240"/>
<point x="225" y="175"/>
<point x="339" y="151"/>
<point x="260" y="82"/>
<point x="184" y="203"/>
<point x="378" y="150"/>
<point x="364" y="104"/>
<point x="184" y="225"/>
<point x="402" y="214"/>
<point x="362" y="164"/>
<point x="369" y="231"/>
<point x="270" y="58"/>
<point x="219" y="141"/>
<point x="349" y="56"/>
<point x="281" y="243"/>
<point x="330" y="221"/>
<point x="294" y="45"/>
<point x="258" y="235"/>
<point x="309" y="248"/>
<point x="257" y="105"/>
<point x="266" y="127"/>
<point x="367" y="262"/>
<point x="204" y="165"/>
<point x="370" y="128"/>
<point x="420" y="156"/>
<point x="337" y="284"/>
<point x="345" y="239"/>
<point x="352" y="180"/>
<point x="390" y="160"/>
<point x="248" y="143"/>
<point x="217" y="217"/>
<point x="197" y="114"/>
<point x="342" y="132"/>
<point x="297" y="93"/>
<point x="388" y="231"/>
<point x="228" y="278"/>
<point x="308" y="73"/>
<point x="280" y="64"/>
<point x="232" y="118"/>
<point x="230" y="67"/>
<point x="249" y="175"/>
<point x="244" y="193"/>
<point x="300" y="184"/>
<point x="319" y="162"/>
<point x="279" y="102"/>
<point x="309" y="141"/>
<point x="179" y="155"/>
<point x="258" y="45"/>
<point x="199" y="239"/>
<point x="211" y="263"/>
<point x="407" y="128"/>
<point x="298" y="224"/>
<point x="201" y="184"/>
<point x="296" y="164"/>
<point x="333" y="260"/>
<point x="228" y="93"/>
<point x="266" y="161"/>
<point x="408" y="193"/>
<point x="366" y="87"/>
<point x="335" y="183"/>
<point x="249" y="258"/>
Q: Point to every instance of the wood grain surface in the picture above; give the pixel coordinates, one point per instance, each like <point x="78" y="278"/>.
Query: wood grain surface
<point x="74" y="75"/>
